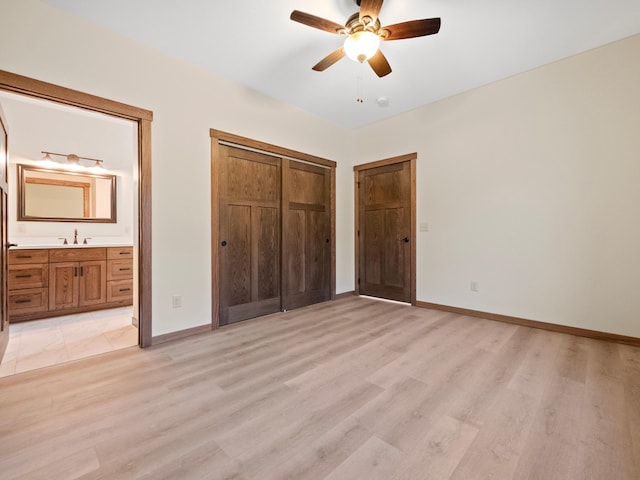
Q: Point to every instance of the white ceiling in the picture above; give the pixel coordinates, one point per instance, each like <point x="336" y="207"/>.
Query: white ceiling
<point x="254" y="43"/>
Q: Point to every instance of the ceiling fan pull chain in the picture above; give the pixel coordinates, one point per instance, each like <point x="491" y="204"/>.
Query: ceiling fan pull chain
<point x="359" y="94"/>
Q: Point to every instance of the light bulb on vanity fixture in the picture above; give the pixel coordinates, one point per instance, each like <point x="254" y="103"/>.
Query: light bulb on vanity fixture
<point x="73" y="162"/>
<point x="47" y="160"/>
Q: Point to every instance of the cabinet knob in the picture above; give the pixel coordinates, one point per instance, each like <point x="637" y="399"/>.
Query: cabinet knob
<point x="224" y="243"/>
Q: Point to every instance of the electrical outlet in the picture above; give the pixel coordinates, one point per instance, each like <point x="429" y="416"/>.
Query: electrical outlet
<point x="474" y="286"/>
<point x="176" y="301"/>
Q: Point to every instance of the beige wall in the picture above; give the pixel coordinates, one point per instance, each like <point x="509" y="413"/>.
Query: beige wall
<point x="44" y="43"/>
<point x="531" y="187"/>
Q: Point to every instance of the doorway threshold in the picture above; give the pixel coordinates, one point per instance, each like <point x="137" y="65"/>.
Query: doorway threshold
<point x="385" y="300"/>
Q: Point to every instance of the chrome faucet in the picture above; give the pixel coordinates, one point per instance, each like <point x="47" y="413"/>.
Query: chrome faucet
<point x="75" y="236"/>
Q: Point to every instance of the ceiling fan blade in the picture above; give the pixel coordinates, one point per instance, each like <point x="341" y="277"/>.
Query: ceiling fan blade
<point x="329" y="60"/>
<point x="413" y="28"/>
<point x="316" y="22"/>
<point x="380" y="64"/>
<point x="370" y="8"/>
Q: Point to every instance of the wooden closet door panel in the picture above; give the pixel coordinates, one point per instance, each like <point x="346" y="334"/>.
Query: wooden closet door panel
<point x="252" y="177"/>
<point x="307" y="184"/>
<point x="239" y="255"/>
<point x="266" y="252"/>
<point x="306" y="203"/>
<point x="317" y="251"/>
<point x="250" y="235"/>
<point x="295" y="264"/>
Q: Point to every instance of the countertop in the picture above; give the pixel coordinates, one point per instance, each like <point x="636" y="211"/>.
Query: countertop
<point x="91" y="245"/>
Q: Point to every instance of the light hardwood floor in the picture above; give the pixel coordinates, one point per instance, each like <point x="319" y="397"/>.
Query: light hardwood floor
<point x="354" y="389"/>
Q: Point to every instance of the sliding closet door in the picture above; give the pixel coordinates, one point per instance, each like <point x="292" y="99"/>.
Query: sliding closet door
<point x="306" y="232"/>
<point x="249" y="249"/>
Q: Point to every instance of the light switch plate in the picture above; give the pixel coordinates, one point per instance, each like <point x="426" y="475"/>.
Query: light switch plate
<point x="176" y="301"/>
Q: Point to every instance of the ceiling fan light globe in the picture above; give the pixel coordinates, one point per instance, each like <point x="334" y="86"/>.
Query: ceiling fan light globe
<point x="361" y="46"/>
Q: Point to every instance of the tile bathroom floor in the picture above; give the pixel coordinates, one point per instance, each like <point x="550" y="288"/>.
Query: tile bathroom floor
<point x="41" y="343"/>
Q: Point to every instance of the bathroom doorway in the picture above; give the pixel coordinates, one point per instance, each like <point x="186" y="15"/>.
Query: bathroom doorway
<point x="131" y="228"/>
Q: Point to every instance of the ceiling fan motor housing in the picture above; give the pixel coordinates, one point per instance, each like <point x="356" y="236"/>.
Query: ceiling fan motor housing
<point x="364" y="32"/>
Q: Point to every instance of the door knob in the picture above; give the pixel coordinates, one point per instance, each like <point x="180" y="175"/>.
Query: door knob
<point x="405" y="239"/>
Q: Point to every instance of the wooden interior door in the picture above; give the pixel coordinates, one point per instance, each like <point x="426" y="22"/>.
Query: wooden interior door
<point x="306" y="234"/>
<point x="249" y="234"/>
<point x="4" y="246"/>
<point x="384" y="231"/>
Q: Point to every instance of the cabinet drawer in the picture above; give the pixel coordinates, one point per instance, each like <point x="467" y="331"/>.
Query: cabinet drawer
<point x="119" y="253"/>
<point x="18" y="257"/>
<point x="34" y="300"/>
<point x="28" y="276"/>
<point x="76" y="254"/>
<point x="122" y="290"/>
<point x="119" y="269"/>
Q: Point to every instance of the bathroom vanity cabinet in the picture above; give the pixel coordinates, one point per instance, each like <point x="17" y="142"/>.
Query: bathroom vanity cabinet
<point x="50" y="282"/>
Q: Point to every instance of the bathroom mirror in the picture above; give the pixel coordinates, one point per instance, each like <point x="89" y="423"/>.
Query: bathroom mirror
<point x="54" y="195"/>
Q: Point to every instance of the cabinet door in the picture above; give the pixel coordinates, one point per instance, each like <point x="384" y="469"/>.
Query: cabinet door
<point x="63" y="285"/>
<point x="93" y="283"/>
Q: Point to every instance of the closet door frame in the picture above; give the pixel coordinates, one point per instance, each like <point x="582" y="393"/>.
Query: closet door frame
<point x="226" y="138"/>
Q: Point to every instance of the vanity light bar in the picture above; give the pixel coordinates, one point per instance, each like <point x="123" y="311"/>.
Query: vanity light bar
<point x="72" y="158"/>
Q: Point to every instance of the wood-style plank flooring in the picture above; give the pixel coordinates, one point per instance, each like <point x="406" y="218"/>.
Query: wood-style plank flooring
<point x="344" y="390"/>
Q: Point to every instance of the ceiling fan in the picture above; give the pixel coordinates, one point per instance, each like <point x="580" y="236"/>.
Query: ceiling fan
<point x="364" y="34"/>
